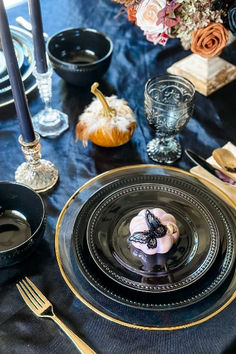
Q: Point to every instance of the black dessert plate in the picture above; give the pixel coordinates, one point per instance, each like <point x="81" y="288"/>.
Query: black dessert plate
<point x="185" y="263"/>
<point x="154" y="319"/>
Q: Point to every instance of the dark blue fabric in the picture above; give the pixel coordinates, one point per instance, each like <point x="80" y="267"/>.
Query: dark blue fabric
<point x="213" y="124"/>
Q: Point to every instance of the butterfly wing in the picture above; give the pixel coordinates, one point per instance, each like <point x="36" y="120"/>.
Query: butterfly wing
<point x="140" y="237"/>
<point x="160" y="231"/>
<point x="151" y="242"/>
<point x="157" y="229"/>
<point x="151" y="220"/>
<point x="145" y="238"/>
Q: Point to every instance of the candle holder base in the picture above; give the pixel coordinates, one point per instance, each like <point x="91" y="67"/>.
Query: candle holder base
<point x="206" y="74"/>
<point x="41" y="175"/>
<point x="50" y="122"/>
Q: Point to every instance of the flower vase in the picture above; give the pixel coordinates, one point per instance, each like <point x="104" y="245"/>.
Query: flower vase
<point x="206" y="74"/>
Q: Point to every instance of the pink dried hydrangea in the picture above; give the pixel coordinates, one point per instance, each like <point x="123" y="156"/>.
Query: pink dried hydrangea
<point x="157" y="38"/>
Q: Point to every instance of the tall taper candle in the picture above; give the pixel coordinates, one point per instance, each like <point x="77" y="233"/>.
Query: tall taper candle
<point x="37" y="30"/>
<point x="22" y="109"/>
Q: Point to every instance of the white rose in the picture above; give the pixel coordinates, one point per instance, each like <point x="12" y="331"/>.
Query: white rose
<point x="147" y="15"/>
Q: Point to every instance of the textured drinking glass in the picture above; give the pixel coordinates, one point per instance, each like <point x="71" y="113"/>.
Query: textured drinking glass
<point x="49" y="122"/>
<point x="168" y="107"/>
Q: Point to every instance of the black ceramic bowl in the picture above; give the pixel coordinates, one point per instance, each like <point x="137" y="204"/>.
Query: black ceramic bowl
<point x="22" y="222"/>
<point x="80" y="55"/>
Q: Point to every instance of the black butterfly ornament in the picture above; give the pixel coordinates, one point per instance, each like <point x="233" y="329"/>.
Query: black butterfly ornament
<point x="155" y="230"/>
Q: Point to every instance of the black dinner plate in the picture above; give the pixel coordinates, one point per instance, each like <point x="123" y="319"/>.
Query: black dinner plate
<point x="186" y="262"/>
<point x="3" y="68"/>
<point x="112" y="310"/>
<point x="182" y="296"/>
<point x="23" y="40"/>
<point x="4" y="78"/>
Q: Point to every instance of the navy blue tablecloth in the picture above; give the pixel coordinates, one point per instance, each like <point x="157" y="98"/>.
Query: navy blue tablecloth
<point x="213" y="124"/>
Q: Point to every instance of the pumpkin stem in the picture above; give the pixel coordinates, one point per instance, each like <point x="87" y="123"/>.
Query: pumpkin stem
<point x="107" y="111"/>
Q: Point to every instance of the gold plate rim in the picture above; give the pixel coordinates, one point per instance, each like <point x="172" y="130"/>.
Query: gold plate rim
<point x="87" y="303"/>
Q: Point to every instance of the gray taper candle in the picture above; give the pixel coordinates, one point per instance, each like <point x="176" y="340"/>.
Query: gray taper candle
<point x="21" y="104"/>
<point x="38" y="39"/>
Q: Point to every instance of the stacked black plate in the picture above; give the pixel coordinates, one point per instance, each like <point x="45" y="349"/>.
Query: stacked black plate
<point x="190" y="283"/>
<point x="23" y="45"/>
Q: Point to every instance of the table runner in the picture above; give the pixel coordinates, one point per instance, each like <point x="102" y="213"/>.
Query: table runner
<point x="213" y="124"/>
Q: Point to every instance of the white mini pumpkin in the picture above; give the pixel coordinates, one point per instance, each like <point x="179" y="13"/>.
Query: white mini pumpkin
<point x="142" y="236"/>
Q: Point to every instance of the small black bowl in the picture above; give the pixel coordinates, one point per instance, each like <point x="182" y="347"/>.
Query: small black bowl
<point x="22" y="222"/>
<point x="80" y="55"/>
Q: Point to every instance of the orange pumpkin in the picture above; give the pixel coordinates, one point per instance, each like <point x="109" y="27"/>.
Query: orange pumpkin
<point x="107" y="122"/>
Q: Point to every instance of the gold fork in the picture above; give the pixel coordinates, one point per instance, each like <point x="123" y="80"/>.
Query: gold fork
<point x="42" y="307"/>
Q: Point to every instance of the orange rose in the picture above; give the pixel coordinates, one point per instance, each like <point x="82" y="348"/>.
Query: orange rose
<point x="131" y="14"/>
<point x="210" y="40"/>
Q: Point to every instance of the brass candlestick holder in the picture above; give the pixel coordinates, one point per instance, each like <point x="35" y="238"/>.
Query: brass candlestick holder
<point x="41" y="175"/>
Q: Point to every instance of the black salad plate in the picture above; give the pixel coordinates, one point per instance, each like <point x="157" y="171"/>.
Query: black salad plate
<point x="182" y="308"/>
<point x="185" y="263"/>
<point x="24" y="47"/>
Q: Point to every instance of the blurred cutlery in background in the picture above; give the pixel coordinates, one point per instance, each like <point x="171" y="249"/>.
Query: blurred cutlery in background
<point x="27" y="25"/>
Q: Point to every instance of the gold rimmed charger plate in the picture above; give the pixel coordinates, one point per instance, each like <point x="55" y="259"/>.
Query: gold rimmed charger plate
<point x="96" y="181"/>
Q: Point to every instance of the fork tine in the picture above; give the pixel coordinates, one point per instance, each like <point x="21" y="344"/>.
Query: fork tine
<point x="36" y="290"/>
<point x="29" y="295"/>
<point x="32" y="293"/>
<point x="26" y="298"/>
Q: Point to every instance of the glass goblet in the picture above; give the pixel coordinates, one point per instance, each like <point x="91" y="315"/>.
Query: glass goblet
<point x="168" y="101"/>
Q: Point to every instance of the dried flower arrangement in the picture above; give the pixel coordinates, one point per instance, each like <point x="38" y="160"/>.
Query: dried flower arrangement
<point x="201" y="25"/>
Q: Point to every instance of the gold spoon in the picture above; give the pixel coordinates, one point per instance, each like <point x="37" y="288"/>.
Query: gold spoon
<point x="225" y="159"/>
